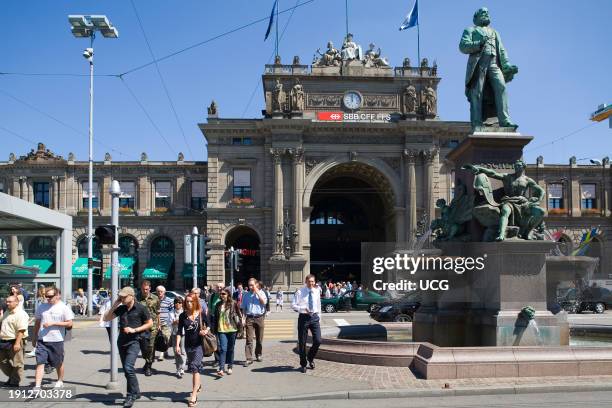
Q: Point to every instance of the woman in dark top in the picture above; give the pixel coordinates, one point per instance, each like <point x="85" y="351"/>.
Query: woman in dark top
<point x="191" y="327"/>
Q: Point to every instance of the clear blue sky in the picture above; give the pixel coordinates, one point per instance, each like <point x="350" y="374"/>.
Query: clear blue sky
<point x="562" y="48"/>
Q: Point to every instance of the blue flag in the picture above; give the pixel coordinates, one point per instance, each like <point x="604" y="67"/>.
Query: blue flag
<point x="271" y="21"/>
<point x="412" y="19"/>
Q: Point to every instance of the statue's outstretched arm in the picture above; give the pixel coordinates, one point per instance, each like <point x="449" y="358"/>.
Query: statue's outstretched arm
<point x="483" y="170"/>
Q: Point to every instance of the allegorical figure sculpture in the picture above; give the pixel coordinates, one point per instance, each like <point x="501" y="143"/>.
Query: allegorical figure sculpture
<point x="350" y="49"/>
<point x="410" y="99"/>
<point x="452" y="222"/>
<point x="507" y="212"/>
<point x="488" y="71"/>
<point x="429" y="101"/>
<point x="331" y="57"/>
<point x="297" y="97"/>
<point x="278" y="97"/>
<point x="372" y="58"/>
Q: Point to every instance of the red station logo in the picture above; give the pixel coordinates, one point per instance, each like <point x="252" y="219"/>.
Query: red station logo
<point x="331" y="116"/>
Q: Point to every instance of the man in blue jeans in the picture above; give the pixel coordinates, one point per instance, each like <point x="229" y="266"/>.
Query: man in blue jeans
<point x="307" y="302"/>
<point x="134" y="324"/>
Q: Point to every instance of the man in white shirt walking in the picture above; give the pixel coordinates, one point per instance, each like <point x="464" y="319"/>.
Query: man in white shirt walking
<point x="307" y="302"/>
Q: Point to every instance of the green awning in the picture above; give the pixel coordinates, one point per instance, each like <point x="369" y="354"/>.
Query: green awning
<point x="79" y="268"/>
<point x="158" y="268"/>
<point x="188" y="270"/>
<point x="43" y="266"/>
<point x="126" y="266"/>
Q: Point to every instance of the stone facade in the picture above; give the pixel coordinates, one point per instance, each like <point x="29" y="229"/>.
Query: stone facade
<point x="141" y="219"/>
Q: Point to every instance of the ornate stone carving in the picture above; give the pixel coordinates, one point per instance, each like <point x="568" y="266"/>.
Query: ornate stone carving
<point x="540" y="160"/>
<point x="353" y="156"/>
<point x="411" y="155"/>
<point x="212" y="109"/>
<point x="424" y="64"/>
<point x="500" y="166"/>
<point x="311" y="162"/>
<point x="181" y="157"/>
<point x="297" y="97"/>
<point x="323" y="100"/>
<point x="40" y="154"/>
<point x="71" y="156"/>
<point x="107" y="157"/>
<point x="11" y="157"/>
<point x="373" y="58"/>
<point x="296" y="60"/>
<point x="429" y="101"/>
<point x="279" y="97"/>
<point x="331" y="57"/>
<point x="143" y="157"/>
<point x="277" y="60"/>
<point x="277" y="155"/>
<point x="430" y="155"/>
<point x="606" y="161"/>
<point x="410" y="99"/>
<point x="297" y="155"/>
<point x="406" y="63"/>
<point x="380" y="101"/>
<point x="572" y="161"/>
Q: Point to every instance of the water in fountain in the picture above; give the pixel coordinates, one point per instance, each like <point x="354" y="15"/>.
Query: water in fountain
<point x="421" y="240"/>
<point x="555" y="251"/>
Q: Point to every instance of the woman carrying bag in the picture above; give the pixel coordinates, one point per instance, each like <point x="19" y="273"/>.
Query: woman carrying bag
<point x="192" y="326"/>
<point x="227" y="323"/>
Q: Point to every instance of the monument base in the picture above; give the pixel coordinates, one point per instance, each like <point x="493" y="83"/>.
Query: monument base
<point x="483" y="307"/>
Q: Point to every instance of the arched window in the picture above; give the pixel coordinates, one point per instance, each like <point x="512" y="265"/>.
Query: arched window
<point x="162" y="247"/>
<point x="42" y="248"/>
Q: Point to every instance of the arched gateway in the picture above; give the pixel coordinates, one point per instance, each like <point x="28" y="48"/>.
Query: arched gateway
<point x="345" y="153"/>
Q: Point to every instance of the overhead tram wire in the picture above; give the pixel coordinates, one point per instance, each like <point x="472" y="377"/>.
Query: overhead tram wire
<point x="161" y="79"/>
<point x="216" y="37"/>
<point x="52" y="74"/>
<point x="269" y="59"/>
<point x="61" y="122"/>
<point x="144" y="110"/>
<point x="17" y="135"/>
<point x="561" y="138"/>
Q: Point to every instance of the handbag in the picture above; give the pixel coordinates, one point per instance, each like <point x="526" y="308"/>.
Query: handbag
<point x="161" y="343"/>
<point x="209" y="342"/>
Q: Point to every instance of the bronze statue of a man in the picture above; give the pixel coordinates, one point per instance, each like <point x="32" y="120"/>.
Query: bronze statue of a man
<point x="488" y="71"/>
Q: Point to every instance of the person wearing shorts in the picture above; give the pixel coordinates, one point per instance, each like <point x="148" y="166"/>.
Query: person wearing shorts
<point x="52" y="320"/>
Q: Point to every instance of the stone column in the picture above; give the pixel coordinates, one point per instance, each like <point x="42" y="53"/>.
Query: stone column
<point x="14" y="259"/>
<point x="55" y="193"/>
<point x="277" y="156"/>
<point x="144" y="192"/>
<point x="410" y="157"/>
<point x="429" y="203"/>
<point x="22" y="188"/>
<point x="298" y="181"/>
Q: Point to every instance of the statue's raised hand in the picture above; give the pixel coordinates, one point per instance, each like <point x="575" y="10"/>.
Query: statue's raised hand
<point x="470" y="167"/>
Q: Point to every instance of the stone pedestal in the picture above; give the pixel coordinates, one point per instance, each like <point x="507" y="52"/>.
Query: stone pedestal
<point x="287" y="273"/>
<point x="482" y="307"/>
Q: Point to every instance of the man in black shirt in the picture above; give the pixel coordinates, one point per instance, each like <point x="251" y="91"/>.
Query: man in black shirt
<point x="134" y="324"/>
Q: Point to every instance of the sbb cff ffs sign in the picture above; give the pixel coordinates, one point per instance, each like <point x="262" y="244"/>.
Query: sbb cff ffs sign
<point x="353" y="117"/>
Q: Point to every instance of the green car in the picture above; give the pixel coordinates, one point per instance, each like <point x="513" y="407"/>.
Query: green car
<point x="358" y="300"/>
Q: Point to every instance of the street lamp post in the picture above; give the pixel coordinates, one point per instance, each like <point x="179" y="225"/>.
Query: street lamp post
<point x="86" y="26"/>
<point x="115" y="191"/>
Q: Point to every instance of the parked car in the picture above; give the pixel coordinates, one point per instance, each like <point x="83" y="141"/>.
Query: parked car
<point x="592" y="299"/>
<point x="353" y="299"/>
<point x="173" y="294"/>
<point x="399" y="310"/>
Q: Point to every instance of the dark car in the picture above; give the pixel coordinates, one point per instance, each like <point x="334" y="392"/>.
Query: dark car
<point x="399" y="310"/>
<point x="353" y="299"/>
<point x="592" y="299"/>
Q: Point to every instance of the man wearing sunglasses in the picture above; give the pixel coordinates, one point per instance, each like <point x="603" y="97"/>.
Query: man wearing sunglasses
<point x="52" y="320"/>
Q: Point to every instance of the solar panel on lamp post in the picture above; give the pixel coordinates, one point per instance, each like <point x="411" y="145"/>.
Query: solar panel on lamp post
<point x="86" y="26"/>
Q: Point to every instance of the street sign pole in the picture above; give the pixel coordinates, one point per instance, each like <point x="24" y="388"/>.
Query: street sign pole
<point x="114" y="361"/>
<point x="194" y="255"/>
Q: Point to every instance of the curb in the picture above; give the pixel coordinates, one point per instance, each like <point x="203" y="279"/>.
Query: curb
<point x="397" y="393"/>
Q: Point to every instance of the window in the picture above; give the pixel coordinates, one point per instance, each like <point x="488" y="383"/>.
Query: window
<point x="94" y="195"/>
<point x="41" y="194"/>
<point x="162" y="194"/>
<point x="555" y="196"/>
<point x="247" y="141"/>
<point x="1" y="187"/>
<point x="198" y="195"/>
<point x="327" y="218"/>
<point x="453" y="143"/>
<point x="128" y="192"/>
<point x="588" y="196"/>
<point x="452" y="185"/>
<point x="242" y="183"/>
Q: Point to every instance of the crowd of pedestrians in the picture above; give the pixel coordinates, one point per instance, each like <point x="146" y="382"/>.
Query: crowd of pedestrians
<point x="150" y="322"/>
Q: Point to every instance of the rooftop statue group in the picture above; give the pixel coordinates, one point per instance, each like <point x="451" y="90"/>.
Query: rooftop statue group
<point x="350" y="51"/>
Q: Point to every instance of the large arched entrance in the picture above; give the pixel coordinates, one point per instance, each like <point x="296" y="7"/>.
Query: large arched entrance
<point x="351" y="203"/>
<point x="246" y="240"/>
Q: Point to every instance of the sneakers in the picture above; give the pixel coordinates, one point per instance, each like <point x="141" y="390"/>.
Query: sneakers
<point x="179" y="373"/>
<point x="49" y="369"/>
<point x="248" y="363"/>
<point x="229" y="371"/>
<point x="59" y="384"/>
<point x="147" y="370"/>
<point x="129" y="402"/>
<point x="215" y="364"/>
<point x="259" y="359"/>
<point x="31" y="353"/>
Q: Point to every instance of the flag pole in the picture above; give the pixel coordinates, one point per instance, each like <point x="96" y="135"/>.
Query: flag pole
<point x="419" y="45"/>
<point x="276" y="45"/>
<point x="346" y="15"/>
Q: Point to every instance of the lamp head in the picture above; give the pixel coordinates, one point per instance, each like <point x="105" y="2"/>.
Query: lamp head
<point x="88" y="54"/>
